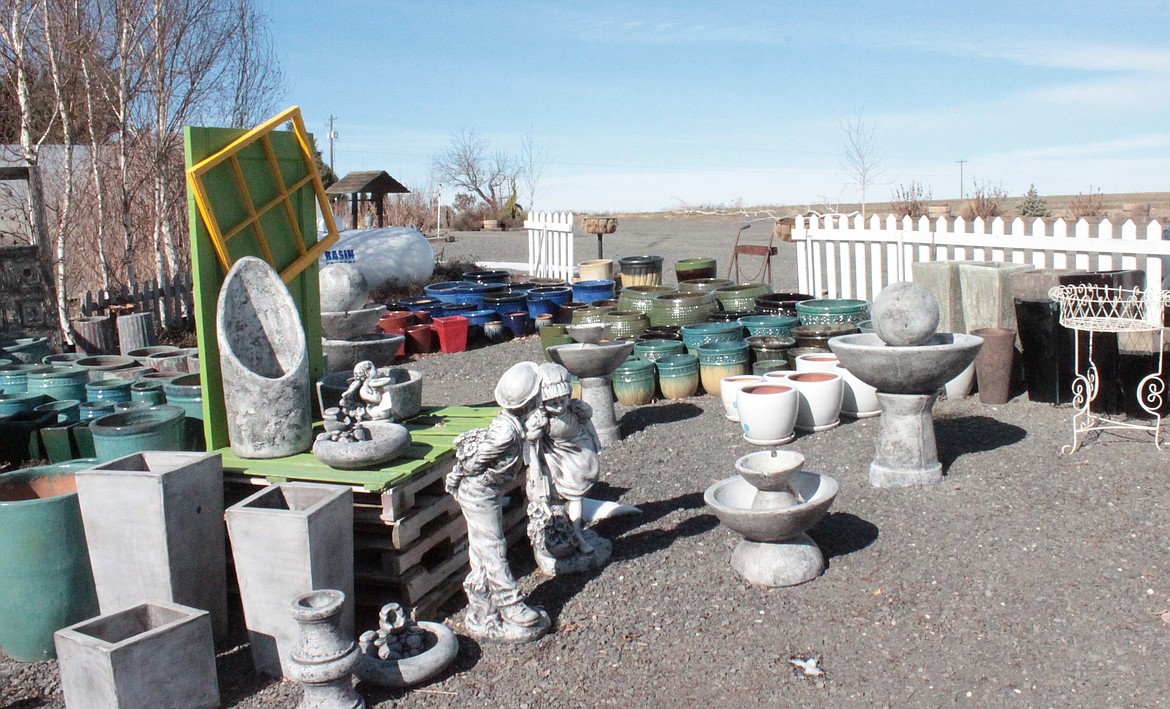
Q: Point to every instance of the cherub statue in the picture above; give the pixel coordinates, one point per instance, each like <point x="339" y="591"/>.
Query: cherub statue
<point x="487" y="460"/>
<point x="368" y="395"/>
<point x="565" y="468"/>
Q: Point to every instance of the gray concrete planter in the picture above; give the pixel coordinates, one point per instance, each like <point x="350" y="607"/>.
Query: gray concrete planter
<point x="941" y="278"/>
<point x="987" y="294"/>
<point x="264" y="361"/>
<point x="405" y="392"/>
<point x="154" y="526"/>
<point x="287" y="540"/>
<point x="156" y="655"/>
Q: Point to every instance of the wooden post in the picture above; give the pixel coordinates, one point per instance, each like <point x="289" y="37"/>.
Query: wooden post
<point x="95" y="335"/>
<point x="380" y="199"/>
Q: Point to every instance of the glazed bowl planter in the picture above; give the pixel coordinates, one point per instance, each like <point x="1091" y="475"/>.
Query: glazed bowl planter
<point x="767" y="412"/>
<point x="127" y="658"/>
<point x="641" y="298"/>
<point x="504" y="303"/>
<point x="780" y="303"/>
<point x="728" y="390"/>
<point x="150" y="393"/>
<point x="654" y="350"/>
<point x="816" y="362"/>
<point x="45" y="578"/>
<point x="707" y="332"/>
<point x="704" y="285"/>
<point x="445" y="291"/>
<point x="492" y="277"/>
<point x="453" y="309"/>
<point x="827" y="311"/>
<point x="546" y="299"/>
<point x="770" y="325"/>
<point x="59" y="383"/>
<point x="859" y="400"/>
<point x="452" y="333"/>
<point x="28" y="350"/>
<point x="65" y="410"/>
<point x="431" y="306"/>
<point x="678" y="376"/>
<point x="89" y="410"/>
<point x="100" y="366"/>
<point x="63" y="359"/>
<point x="590" y="314"/>
<point x="545" y="281"/>
<point x="14" y="377"/>
<point x="721" y="359"/>
<point x="640" y="270"/>
<point x="769" y="347"/>
<point x="23" y="402"/>
<point x="157" y="428"/>
<point x="741" y="296"/>
<point x="626" y="324"/>
<point x="821" y="394"/>
<point x="662" y="332"/>
<point x="470" y="292"/>
<point x="693" y="268"/>
<point x="114" y="390"/>
<point x="634" y="382"/>
<point x="351" y="323"/>
<point x="818" y="336"/>
<point x="681" y="309"/>
<point x="600" y="269"/>
<point x="729" y="315"/>
<point x="592" y="291"/>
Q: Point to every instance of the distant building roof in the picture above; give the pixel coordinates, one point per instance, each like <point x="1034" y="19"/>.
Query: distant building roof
<point x="375" y="181"/>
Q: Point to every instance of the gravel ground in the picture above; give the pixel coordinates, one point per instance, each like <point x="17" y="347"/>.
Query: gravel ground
<point x="1026" y="577"/>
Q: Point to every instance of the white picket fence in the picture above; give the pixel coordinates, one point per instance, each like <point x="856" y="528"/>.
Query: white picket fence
<point x="843" y="258"/>
<point x="550" y="244"/>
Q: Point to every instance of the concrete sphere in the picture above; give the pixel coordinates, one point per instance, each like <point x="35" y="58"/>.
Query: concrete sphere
<point x="343" y="288"/>
<point x="905" y="314"/>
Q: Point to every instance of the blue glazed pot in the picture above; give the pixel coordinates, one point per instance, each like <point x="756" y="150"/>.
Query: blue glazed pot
<point x="95" y="409"/>
<point x="19" y="403"/>
<point x="457" y="309"/>
<point x="476" y="319"/>
<point x="67" y="410"/>
<point x="434" y="306"/>
<point x="112" y="390"/>
<point x="493" y="277"/>
<point x="444" y="291"/>
<point x="546" y="300"/>
<point x="506" y="302"/>
<point x="150" y="393"/>
<point x="469" y="292"/>
<point x="59" y="383"/>
<point x="516" y="322"/>
<point x="158" y="428"/>
<point x="702" y="333"/>
<point x="592" y="291"/>
<point x="14" y="377"/>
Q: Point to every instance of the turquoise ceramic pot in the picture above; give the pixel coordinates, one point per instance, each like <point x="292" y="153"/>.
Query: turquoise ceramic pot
<point x="59" y="382"/>
<point x="721" y="359"/>
<point x="678" y="376"/>
<point x="158" y="428"/>
<point x="149" y="392"/>
<point x="95" y="409"/>
<point x="130" y="406"/>
<point x="19" y="403"/>
<point x="769" y="325"/>
<point x="45" y="578"/>
<point x="186" y="392"/>
<point x="67" y="410"/>
<point x="703" y="333"/>
<point x="634" y="382"/>
<point x="29" y="350"/>
<point x="14" y="377"/>
<point x="827" y="311"/>
<point x="654" y="350"/>
<point x="63" y="359"/>
<point x="115" y="390"/>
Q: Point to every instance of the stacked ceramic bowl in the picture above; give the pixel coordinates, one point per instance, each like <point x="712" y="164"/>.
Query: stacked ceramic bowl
<point x="704" y="285"/>
<point x="769" y="325"/>
<point x="740" y="296"/>
<point x="641" y="298"/>
<point x="828" y="311"/>
<point x="780" y="303"/>
<point x="708" y="332"/>
<point x="682" y="309"/>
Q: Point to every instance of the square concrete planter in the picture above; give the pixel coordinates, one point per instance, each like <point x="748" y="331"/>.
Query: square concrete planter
<point x="987" y="293"/>
<point x="287" y="540"/>
<point x="154" y="525"/>
<point x="941" y="278"/>
<point x="154" y="655"/>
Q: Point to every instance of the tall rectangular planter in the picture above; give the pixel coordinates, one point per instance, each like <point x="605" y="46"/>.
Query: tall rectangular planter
<point x="987" y="293"/>
<point x="151" y="656"/>
<point x="941" y="278"/>
<point x="289" y="539"/>
<point x="1048" y="348"/>
<point x="154" y="524"/>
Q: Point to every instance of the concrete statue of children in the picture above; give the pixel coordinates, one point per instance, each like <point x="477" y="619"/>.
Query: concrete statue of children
<point x="487" y="461"/>
<point x="565" y="468"/>
<point x="368" y="396"/>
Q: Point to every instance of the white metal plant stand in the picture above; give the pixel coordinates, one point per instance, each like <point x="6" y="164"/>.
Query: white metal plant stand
<point x="1092" y="309"/>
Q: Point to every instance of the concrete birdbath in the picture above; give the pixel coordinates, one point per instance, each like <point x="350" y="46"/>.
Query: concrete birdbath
<point x="907" y="362"/>
<point x="593" y="360"/>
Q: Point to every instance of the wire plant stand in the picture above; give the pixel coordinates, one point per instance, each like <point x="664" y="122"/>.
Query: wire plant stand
<point x="1091" y="309"/>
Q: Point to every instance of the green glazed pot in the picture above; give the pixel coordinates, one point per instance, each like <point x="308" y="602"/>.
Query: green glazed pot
<point x="150" y="393"/>
<point x="59" y="382"/>
<point x="678" y="376"/>
<point x="45" y="578"/>
<point x="634" y="383"/>
<point x="19" y="403"/>
<point x="115" y="390"/>
<point x="626" y="324"/>
<point x="158" y="428"/>
<point x="654" y="350"/>
<point x="741" y="296"/>
<point x="14" y="377"/>
<point x="641" y="298"/>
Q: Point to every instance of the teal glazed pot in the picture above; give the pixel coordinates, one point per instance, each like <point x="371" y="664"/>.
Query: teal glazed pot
<point x="158" y="428"/>
<point x="45" y="578"/>
<point x="63" y="359"/>
<point x="99" y="366"/>
<point x="130" y="406"/>
<point x="721" y="359"/>
<point x="654" y="350"/>
<point x="828" y="311"/>
<point x="634" y="382"/>
<point x="741" y="296"/>
<point x="704" y="285"/>
<point x="150" y="393"/>
<point x="770" y="325"/>
<point x="67" y="410"/>
<point x="95" y="409"/>
<point x="678" y="376"/>
<point x="14" y="377"/>
<point x="702" y="333"/>
<point x="113" y="390"/>
<point x="186" y="392"/>
<point x="21" y="402"/>
<point x="59" y="382"/>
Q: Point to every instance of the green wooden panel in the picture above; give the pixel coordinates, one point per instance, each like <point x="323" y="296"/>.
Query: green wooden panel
<point x="208" y="276"/>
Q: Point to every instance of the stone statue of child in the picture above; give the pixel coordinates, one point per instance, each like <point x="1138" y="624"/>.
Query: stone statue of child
<point x="487" y="460"/>
<point x="368" y="395"/>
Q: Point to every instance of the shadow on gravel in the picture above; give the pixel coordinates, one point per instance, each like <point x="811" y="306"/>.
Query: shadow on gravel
<point x="842" y="533"/>
<point x="237" y="678"/>
<point x="972" y="434"/>
<point x="644" y="417"/>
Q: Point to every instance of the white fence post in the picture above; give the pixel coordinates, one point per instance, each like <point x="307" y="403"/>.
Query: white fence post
<point x="550" y="244"/>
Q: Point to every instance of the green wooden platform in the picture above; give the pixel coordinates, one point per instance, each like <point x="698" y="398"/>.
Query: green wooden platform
<point x="432" y="434"/>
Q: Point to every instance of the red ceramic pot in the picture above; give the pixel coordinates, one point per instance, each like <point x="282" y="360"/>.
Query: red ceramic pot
<point x="452" y="332"/>
<point x="396" y="320"/>
<point x="419" y="339"/>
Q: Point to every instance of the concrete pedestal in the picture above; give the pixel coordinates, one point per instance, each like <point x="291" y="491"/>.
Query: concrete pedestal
<point x="154" y="526"/>
<point x="151" y="656"/>
<point x="288" y="540"/>
<point x="598" y="393"/>
<point x="906" y="451"/>
<point x="783" y="564"/>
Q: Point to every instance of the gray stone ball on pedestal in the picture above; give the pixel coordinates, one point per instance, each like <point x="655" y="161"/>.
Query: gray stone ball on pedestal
<point x="905" y="314"/>
<point x="343" y="288"/>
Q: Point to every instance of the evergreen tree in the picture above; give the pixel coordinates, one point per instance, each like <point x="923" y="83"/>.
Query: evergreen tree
<point x="1034" y="205"/>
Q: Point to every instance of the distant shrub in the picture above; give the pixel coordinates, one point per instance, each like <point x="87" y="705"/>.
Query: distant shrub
<point x="1086" y="205"/>
<point x="1033" y="205"/>
<point x="910" y="201"/>
<point x="986" y="202"/>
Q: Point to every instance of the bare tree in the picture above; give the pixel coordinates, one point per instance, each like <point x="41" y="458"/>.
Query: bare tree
<point x="466" y="164"/>
<point x="862" y="161"/>
<point x="532" y="162"/>
<point x="259" y="80"/>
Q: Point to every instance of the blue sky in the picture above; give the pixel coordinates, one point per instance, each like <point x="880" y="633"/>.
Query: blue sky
<point x="649" y="105"/>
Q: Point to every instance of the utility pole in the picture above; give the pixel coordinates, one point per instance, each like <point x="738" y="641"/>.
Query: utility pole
<point x="961" y="193"/>
<point x="332" y="137"/>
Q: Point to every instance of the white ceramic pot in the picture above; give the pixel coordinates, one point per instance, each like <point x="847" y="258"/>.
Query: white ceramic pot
<point x="817" y="362"/>
<point x="767" y="413"/>
<point x="779" y="376"/>
<point x="728" y="389"/>
<point x="819" y="401"/>
<point x="960" y="386"/>
<point x="859" y="400"/>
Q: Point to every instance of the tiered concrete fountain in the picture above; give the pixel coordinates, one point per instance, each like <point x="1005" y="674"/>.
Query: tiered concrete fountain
<point x="593" y="360"/>
<point x="349" y="327"/>
<point x="907" y="362"/>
